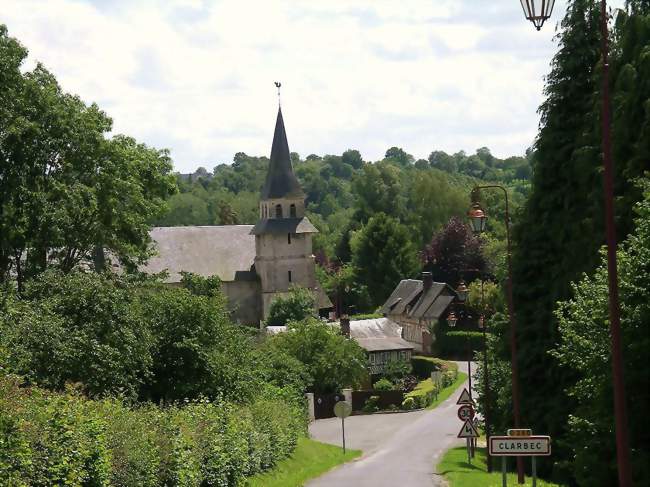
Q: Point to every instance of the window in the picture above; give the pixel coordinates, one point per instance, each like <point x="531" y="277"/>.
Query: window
<point x="289" y="276"/>
<point x="289" y="238"/>
<point x="292" y="211"/>
<point x="278" y="211"/>
<point x="372" y="359"/>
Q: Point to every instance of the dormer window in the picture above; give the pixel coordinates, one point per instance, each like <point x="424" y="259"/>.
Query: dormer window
<point x="278" y="211"/>
<point x="292" y="211"/>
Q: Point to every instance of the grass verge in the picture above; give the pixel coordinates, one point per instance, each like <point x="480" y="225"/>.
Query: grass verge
<point x="449" y="390"/>
<point x="310" y="459"/>
<point x="459" y="473"/>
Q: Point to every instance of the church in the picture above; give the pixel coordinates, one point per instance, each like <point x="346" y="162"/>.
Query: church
<point x="256" y="263"/>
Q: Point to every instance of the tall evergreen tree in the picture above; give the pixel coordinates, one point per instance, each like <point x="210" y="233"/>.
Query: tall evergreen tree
<point x="561" y="227"/>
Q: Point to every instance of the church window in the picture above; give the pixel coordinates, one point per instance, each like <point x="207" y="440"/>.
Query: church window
<point x="278" y="211"/>
<point x="289" y="238"/>
<point x="292" y="211"/>
<point x="289" y="276"/>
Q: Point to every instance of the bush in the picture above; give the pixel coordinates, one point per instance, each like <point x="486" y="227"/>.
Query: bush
<point x="371" y="405"/>
<point x="55" y="438"/>
<point x="298" y="305"/>
<point x="383" y="385"/>
<point x="408" y="403"/>
<point x="453" y="344"/>
<point x="423" y="366"/>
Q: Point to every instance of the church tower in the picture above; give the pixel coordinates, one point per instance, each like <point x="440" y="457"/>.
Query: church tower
<point x="283" y="233"/>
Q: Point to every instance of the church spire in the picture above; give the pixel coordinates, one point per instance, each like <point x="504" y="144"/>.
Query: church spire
<point x="281" y="182"/>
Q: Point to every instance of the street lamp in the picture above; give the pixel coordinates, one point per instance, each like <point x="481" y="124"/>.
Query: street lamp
<point x="620" y="408"/>
<point x="451" y="319"/>
<point x="477" y="218"/>
<point x="477" y="215"/>
<point x="462" y="291"/>
<point x="537" y="11"/>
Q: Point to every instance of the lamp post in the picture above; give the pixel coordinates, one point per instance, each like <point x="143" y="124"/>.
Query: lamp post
<point x="620" y="408"/>
<point x="478" y="220"/>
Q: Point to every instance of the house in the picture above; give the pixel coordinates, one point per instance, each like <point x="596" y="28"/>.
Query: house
<point x="256" y="263"/>
<point x="417" y="305"/>
<point x="381" y="338"/>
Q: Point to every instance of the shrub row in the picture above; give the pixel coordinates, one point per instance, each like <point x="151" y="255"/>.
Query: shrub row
<point x="423" y="366"/>
<point x="453" y="344"/>
<point x="51" y="438"/>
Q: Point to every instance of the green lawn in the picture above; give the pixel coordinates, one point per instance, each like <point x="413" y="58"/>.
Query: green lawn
<point x="459" y="473"/>
<point x="309" y="460"/>
<point x="449" y="390"/>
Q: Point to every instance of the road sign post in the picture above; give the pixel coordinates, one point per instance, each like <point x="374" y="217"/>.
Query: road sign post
<point x="342" y="409"/>
<point x="519" y="443"/>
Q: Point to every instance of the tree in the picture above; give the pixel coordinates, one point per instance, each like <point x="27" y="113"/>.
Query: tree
<point x="298" y="305"/>
<point x="398" y="155"/>
<point x="454" y="254"/>
<point x="561" y="226"/>
<point x="353" y="158"/>
<point x="378" y="189"/>
<point x="383" y="255"/>
<point x="584" y="348"/>
<point x="66" y="189"/>
<point x="80" y="327"/>
<point x="331" y="360"/>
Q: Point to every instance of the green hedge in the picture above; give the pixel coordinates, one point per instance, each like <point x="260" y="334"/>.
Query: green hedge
<point x="423" y="366"/>
<point x="454" y="343"/>
<point x="65" y="439"/>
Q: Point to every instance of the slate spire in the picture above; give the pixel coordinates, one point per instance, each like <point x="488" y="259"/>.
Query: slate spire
<point x="281" y="182"/>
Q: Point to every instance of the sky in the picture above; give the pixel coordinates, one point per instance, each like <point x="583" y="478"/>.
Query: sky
<point x="197" y="76"/>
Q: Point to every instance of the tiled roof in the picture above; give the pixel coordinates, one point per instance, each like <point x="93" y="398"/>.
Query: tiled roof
<point x="226" y="251"/>
<point x="410" y="299"/>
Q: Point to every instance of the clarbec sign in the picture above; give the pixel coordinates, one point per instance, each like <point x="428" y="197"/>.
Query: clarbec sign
<point x="513" y="446"/>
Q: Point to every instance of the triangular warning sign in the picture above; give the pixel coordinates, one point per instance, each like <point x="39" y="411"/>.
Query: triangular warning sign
<point x="468" y="430"/>
<point x="464" y="398"/>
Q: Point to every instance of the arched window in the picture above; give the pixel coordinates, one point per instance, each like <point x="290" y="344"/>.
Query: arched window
<point x="292" y="211"/>
<point x="278" y="211"/>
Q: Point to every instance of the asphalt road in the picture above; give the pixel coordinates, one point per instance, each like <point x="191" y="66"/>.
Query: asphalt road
<point x="399" y="450"/>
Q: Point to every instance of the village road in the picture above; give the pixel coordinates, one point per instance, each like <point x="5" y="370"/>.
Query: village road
<point x="398" y="449"/>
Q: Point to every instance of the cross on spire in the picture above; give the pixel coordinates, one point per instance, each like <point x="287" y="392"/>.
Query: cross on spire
<point x="278" y="85"/>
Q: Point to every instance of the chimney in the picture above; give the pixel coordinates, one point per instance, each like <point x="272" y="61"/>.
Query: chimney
<point x="345" y="326"/>
<point x="427" y="280"/>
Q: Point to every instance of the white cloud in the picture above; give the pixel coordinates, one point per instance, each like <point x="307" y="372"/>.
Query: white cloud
<point x="197" y="76"/>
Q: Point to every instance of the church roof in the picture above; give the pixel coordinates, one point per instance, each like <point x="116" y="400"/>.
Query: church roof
<point x="226" y="251"/>
<point x="284" y="225"/>
<point x="281" y="182"/>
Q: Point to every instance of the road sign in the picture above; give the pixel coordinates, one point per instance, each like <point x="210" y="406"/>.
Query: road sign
<point x="342" y="409"/>
<point x="520" y="432"/>
<point x="465" y="412"/>
<point x="525" y="446"/>
<point x="468" y="430"/>
<point x="465" y="398"/>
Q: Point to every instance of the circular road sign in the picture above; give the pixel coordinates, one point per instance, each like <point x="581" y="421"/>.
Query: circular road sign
<point x="342" y="409"/>
<point x="465" y="412"/>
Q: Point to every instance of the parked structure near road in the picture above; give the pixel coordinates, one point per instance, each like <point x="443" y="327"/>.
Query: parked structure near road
<point x="417" y="305"/>
<point x="257" y="263"/>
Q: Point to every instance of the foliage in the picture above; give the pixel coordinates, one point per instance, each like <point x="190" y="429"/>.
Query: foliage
<point x="383" y="255"/>
<point x="584" y="348"/>
<point x="408" y="404"/>
<point x="332" y="361"/>
<point x="561" y="227"/>
<point x="371" y="405"/>
<point x="395" y="370"/>
<point x="57" y="439"/>
<point x="452" y="252"/>
<point x="299" y="304"/>
<point x="309" y="460"/>
<point x="459" y="344"/>
<point x="423" y="394"/>
<point x="78" y="327"/>
<point x="383" y="384"/>
<point x="65" y="189"/>
<point x="423" y="366"/>
<point x="485" y="297"/>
